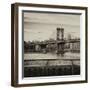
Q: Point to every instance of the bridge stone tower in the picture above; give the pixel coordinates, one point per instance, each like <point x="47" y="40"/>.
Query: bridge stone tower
<point x="60" y="33"/>
<point x="60" y="39"/>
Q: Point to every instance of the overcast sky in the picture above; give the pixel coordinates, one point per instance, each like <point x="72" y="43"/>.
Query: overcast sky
<point x="42" y="26"/>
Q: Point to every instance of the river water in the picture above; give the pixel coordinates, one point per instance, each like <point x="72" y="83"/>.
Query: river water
<point x="40" y="59"/>
<point x="67" y="55"/>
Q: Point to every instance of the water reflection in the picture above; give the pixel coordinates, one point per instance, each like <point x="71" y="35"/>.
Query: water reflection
<point x="67" y="55"/>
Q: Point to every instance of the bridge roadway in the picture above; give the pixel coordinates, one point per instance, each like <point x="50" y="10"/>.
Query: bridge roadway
<point x="58" y="42"/>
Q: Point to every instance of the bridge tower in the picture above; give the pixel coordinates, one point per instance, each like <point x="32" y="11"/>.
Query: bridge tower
<point x="60" y="39"/>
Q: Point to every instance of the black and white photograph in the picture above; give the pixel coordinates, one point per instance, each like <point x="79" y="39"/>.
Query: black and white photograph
<point x="51" y="44"/>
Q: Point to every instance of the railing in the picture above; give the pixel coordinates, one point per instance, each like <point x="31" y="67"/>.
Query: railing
<point x="50" y="62"/>
<point x="51" y="67"/>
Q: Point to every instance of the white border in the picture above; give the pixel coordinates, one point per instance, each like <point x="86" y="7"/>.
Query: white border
<point x="53" y="78"/>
